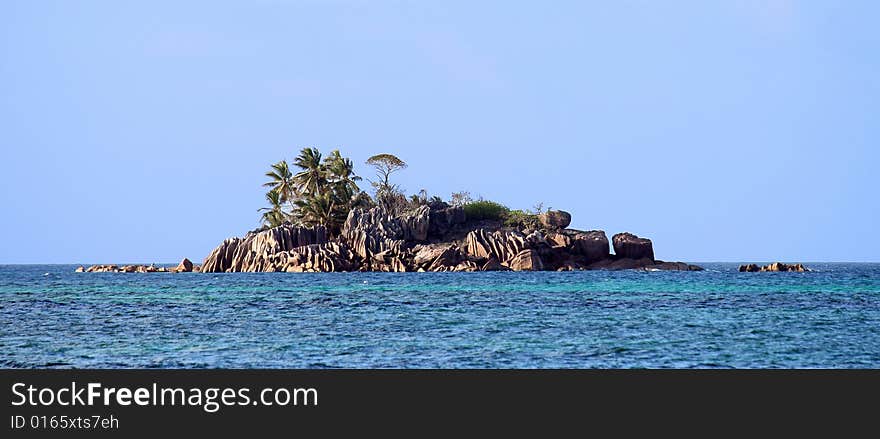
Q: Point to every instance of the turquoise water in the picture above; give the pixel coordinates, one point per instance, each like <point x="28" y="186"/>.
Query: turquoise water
<point x="830" y="318"/>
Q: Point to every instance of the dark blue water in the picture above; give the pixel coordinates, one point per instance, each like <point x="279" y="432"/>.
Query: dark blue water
<point x="53" y="317"/>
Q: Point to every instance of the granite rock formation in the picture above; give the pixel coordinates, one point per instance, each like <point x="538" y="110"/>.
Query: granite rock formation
<point x="555" y="219"/>
<point x="627" y="245"/>
<point x="433" y="238"/>
<point x="776" y="266"/>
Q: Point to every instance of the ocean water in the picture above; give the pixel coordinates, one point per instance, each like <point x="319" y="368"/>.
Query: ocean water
<point x="829" y="318"/>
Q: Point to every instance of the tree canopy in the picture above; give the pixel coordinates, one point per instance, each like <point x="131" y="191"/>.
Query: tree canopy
<point x="385" y="164"/>
<point x="321" y="192"/>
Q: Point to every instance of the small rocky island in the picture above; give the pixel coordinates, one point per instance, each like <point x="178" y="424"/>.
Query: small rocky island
<point x="774" y="267"/>
<point x="434" y="238"/>
<point x="319" y="220"/>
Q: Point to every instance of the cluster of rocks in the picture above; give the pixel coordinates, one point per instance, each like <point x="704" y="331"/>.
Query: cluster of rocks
<point x="433" y="238"/>
<point x="258" y="251"/>
<point x="776" y="266"/>
<point x="185" y="266"/>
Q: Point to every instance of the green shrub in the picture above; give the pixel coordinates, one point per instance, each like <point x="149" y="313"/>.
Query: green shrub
<point x="521" y="220"/>
<point x="485" y="210"/>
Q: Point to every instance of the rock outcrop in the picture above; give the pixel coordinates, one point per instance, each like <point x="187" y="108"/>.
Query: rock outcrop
<point x="776" y="266"/>
<point x="555" y="219"/>
<point x="252" y="253"/>
<point x="185" y="266"/>
<point x="526" y="260"/>
<point x="112" y="268"/>
<point x="435" y="237"/>
<point x="374" y="231"/>
<point x="443" y="220"/>
<point x="627" y="245"/>
<point x="500" y="244"/>
<point x="423" y="240"/>
<point x="592" y="245"/>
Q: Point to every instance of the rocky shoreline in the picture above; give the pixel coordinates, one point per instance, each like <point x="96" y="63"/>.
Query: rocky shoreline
<point x="434" y="239"/>
<point x="774" y="267"/>
<point x="185" y="266"/>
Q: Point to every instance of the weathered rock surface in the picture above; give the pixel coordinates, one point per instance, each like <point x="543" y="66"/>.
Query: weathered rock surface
<point x="500" y="244"/>
<point x="326" y="257"/>
<point x="374" y="231"/>
<point x="435" y="237"/>
<point x="185" y="266"/>
<point x="109" y="268"/>
<point x="252" y="253"/>
<point x="443" y="220"/>
<point x="112" y="268"/>
<point x="555" y="219"/>
<point x="526" y="260"/>
<point x="776" y="266"/>
<point x="627" y="245"/>
<point x="592" y="245"/>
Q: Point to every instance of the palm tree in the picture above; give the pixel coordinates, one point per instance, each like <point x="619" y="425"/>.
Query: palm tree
<point x="281" y="182"/>
<point x="319" y="209"/>
<point x="273" y="215"/>
<point x="313" y="175"/>
<point x="341" y="174"/>
<point x="321" y="193"/>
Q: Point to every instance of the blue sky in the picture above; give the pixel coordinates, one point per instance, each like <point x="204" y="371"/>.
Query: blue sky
<point x="729" y="130"/>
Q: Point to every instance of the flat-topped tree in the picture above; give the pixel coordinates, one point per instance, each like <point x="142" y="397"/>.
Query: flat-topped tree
<point x="388" y="195"/>
<point x="385" y="165"/>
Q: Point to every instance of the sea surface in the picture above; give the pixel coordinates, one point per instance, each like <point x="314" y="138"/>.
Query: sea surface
<point x="718" y="318"/>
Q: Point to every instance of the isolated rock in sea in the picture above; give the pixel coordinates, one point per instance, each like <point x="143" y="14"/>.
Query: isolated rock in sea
<point x="776" y="266"/>
<point x="627" y="245"/>
<point x="185" y="266"/>
<point x="555" y="219"/>
<point x="673" y="266"/>
<point x="80" y="269"/>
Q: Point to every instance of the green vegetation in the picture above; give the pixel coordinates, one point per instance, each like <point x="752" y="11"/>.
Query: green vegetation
<point x="321" y="193"/>
<point x="485" y="210"/>
<point x="319" y="190"/>
<point x="460" y="199"/>
<point x="273" y="215"/>
<point x="522" y="220"/>
<point x="390" y="196"/>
